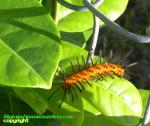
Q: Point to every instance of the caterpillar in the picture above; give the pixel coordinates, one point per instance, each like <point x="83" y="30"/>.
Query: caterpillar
<point x="92" y="72"/>
<point x="82" y="76"/>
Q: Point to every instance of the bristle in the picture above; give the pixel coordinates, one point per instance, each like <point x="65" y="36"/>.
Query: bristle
<point x="72" y="65"/>
<point x="84" y="62"/>
<point x="131" y="64"/>
<point x="81" y="85"/>
<point x="54" y="92"/>
<point x="88" y="82"/>
<point x="78" y="63"/>
<point x="75" y="92"/>
<point x="127" y="55"/>
<point x="110" y="56"/>
<point x="78" y="88"/>
<point x="62" y="99"/>
<point x="63" y="71"/>
<point x="72" y="96"/>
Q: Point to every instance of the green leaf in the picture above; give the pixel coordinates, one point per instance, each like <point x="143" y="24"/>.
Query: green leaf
<point x="29" y="44"/>
<point x="70" y="113"/>
<point x="115" y="98"/>
<point x="74" y="109"/>
<point x="70" y="50"/>
<point x="71" y="41"/>
<point x="144" y="95"/>
<point x="77" y="38"/>
<point x="97" y="120"/>
<point x="92" y="116"/>
<point x="77" y="21"/>
<point x="32" y="98"/>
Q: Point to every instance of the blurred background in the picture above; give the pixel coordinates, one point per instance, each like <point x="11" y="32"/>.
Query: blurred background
<point x="136" y="19"/>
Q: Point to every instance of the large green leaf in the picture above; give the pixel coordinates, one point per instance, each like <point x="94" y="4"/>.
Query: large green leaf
<point x="117" y="99"/>
<point x="29" y="45"/>
<point x="73" y="21"/>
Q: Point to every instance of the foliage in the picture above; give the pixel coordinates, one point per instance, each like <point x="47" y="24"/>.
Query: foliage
<point x="33" y="41"/>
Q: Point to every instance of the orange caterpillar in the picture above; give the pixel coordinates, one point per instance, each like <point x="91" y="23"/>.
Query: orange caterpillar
<point x="78" y="78"/>
<point x="97" y="70"/>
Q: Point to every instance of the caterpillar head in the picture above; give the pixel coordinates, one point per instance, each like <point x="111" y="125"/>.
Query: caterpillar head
<point x="65" y="87"/>
<point x="67" y="83"/>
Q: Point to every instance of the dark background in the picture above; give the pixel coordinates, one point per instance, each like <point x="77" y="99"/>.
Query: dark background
<point x="136" y="19"/>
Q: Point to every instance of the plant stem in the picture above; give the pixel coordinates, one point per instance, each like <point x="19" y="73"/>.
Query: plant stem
<point x="94" y="40"/>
